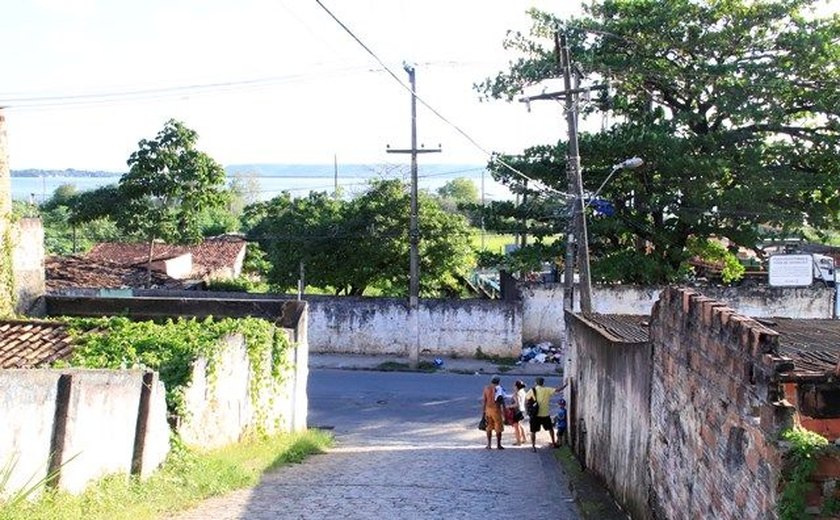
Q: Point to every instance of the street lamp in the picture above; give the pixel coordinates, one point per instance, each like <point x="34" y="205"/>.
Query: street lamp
<point x="585" y="280"/>
<point x="627" y="164"/>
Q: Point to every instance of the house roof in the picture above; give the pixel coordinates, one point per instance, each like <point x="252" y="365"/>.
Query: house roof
<point x="813" y="345"/>
<point x="71" y="272"/>
<point x="33" y="344"/>
<point x="621" y="328"/>
<point x="207" y="256"/>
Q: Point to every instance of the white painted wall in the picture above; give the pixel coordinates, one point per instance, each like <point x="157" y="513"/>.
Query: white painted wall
<point x="377" y="326"/>
<point x="100" y="430"/>
<point x="219" y="405"/>
<point x="542" y="304"/>
<point x="28" y="265"/>
<point x="27" y="405"/>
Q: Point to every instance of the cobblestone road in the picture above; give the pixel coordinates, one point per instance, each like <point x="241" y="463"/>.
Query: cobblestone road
<point x="428" y="469"/>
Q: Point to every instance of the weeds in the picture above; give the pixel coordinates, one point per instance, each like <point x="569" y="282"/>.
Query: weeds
<point x="185" y="479"/>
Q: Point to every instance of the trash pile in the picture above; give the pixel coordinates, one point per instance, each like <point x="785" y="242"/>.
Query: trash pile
<point x="544" y="352"/>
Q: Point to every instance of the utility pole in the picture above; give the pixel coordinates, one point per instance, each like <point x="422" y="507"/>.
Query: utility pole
<point x="573" y="166"/>
<point x="576" y="234"/>
<point x="414" y="228"/>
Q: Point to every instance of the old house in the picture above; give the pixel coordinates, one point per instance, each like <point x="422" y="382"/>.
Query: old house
<point x="215" y="258"/>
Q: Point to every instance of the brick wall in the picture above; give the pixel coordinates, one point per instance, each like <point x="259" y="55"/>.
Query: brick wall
<point x="825" y="483"/>
<point x="715" y="411"/>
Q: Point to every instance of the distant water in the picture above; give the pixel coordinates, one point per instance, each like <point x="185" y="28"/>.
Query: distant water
<point x="274" y="179"/>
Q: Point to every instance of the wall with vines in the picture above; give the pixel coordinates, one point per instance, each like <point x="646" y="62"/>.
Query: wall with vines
<point x="224" y="378"/>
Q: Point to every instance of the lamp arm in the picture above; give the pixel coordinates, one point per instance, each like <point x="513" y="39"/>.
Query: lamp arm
<point x="601" y="187"/>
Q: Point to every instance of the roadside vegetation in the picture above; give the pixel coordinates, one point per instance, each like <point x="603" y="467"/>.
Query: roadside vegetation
<point x="185" y="479"/>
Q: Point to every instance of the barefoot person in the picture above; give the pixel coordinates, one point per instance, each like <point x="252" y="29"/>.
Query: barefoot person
<point x="492" y="400"/>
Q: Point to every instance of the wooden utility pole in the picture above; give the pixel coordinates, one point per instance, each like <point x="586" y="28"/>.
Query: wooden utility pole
<point x="414" y="228"/>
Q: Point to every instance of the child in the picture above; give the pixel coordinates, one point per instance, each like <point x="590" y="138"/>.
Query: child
<point x="560" y="422"/>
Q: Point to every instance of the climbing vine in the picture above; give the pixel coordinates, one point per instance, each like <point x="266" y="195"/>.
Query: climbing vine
<point x="7" y="291"/>
<point x="805" y="445"/>
<point x="172" y="347"/>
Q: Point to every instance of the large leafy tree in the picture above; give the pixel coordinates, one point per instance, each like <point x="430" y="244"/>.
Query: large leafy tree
<point x="169" y="187"/>
<point x="65" y="232"/>
<point x="350" y="246"/>
<point x="732" y="104"/>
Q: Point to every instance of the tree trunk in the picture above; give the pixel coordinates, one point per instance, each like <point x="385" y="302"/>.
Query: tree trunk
<point x="149" y="263"/>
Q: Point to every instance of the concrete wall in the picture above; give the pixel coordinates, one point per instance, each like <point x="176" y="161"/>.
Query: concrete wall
<point x="27" y="405"/>
<point x="384" y="326"/>
<point x="28" y="266"/>
<point x="6" y="280"/>
<point x="179" y="267"/>
<point x="542" y="304"/>
<point x="220" y="406"/>
<point x="80" y="425"/>
<point x="715" y="411"/>
<point x="611" y="410"/>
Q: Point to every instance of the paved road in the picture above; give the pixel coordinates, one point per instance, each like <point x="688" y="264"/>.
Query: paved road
<point x="407" y="448"/>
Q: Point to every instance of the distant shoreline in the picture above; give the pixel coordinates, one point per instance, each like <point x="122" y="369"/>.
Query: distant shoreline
<point x="285" y="170"/>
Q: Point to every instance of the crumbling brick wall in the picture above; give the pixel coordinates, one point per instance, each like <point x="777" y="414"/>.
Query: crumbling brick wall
<point x="716" y="411"/>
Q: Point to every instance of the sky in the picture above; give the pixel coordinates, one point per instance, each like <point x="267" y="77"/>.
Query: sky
<point x="291" y="85"/>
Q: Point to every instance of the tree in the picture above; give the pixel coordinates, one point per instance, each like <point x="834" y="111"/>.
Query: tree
<point x="351" y="246"/>
<point x="74" y="221"/>
<point x="168" y="187"/>
<point x="733" y="106"/>
<point x="457" y="196"/>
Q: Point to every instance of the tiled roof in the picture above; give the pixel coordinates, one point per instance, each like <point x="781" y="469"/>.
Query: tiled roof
<point x="71" y="272"/>
<point x="207" y="256"/>
<point x="814" y="345"/>
<point x="33" y="344"/>
<point x="625" y="328"/>
<point x="216" y="253"/>
<point x="132" y="254"/>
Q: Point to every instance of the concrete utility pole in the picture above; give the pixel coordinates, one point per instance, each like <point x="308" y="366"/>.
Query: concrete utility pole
<point x="576" y="229"/>
<point x="573" y="166"/>
<point x="414" y="228"/>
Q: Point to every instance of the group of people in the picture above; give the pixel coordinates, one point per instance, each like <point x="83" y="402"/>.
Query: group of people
<point x="500" y="408"/>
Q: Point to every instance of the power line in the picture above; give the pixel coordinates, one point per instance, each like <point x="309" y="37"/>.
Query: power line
<point x="493" y="157"/>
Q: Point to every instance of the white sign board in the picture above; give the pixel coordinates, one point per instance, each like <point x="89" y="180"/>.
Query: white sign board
<point x="791" y="270"/>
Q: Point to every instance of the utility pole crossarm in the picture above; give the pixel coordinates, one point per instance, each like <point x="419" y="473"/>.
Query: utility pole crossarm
<point x="412" y="151"/>
<point x="562" y="93"/>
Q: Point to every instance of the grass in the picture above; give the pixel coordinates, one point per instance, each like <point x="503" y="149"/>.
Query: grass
<point x="184" y="480"/>
<point x="492" y="242"/>
<point x="396" y="366"/>
<point x="499" y="360"/>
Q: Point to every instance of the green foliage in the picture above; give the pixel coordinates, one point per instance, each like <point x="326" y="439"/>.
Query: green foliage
<point x="359" y="245"/>
<point x="715" y="252"/>
<point x="805" y="445"/>
<point x="186" y="478"/>
<point x="732" y="105"/>
<point x="170" y="189"/>
<point x="460" y="196"/>
<point x="172" y="347"/>
<point x="73" y="221"/>
<point x="8" y="296"/>
<point x="238" y="284"/>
